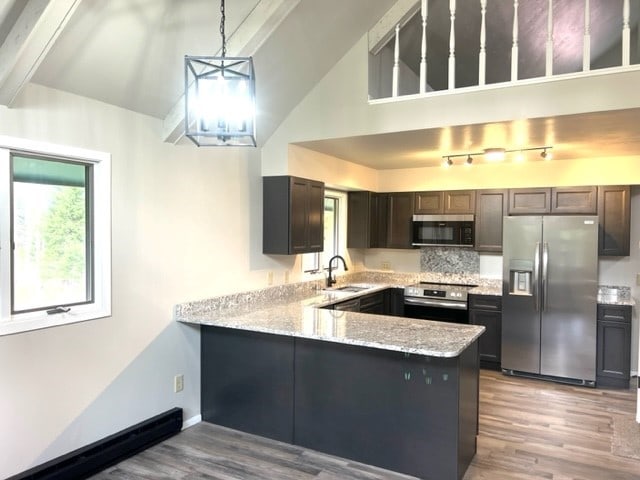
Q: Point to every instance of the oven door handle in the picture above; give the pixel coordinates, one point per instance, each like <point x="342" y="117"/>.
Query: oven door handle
<point x="435" y="303"/>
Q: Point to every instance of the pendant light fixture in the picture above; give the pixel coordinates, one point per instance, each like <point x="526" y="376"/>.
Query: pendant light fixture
<point x="220" y="98"/>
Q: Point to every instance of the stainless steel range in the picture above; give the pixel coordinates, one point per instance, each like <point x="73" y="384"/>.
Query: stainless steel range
<point x="437" y="301"/>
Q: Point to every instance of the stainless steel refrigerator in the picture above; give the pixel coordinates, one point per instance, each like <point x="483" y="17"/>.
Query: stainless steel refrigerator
<point x="549" y="288"/>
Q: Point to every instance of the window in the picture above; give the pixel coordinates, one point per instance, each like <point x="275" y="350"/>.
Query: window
<point x="334" y="230"/>
<point x="54" y="235"/>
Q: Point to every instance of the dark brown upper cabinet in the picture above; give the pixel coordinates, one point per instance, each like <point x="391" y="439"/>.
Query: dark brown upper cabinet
<point x="379" y="220"/>
<point x="491" y="206"/>
<point x="529" y="201"/>
<point x="365" y="227"/>
<point x="399" y="218"/>
<point x="614" y="218"/>
<point x="556" y="200"/>
<point x="449" y="202"/>
<point x="293" y="215"/>
<point x="428" y="202"/>
<point x="578" y="200"/>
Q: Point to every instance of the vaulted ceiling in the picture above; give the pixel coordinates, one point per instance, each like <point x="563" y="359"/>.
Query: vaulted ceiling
<point x="130" y="53"/>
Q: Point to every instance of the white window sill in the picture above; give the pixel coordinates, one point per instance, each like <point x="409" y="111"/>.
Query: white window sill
<point x="38" y="320"/>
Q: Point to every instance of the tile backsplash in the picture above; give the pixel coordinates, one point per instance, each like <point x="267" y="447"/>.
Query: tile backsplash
<point x="449" y="260"/>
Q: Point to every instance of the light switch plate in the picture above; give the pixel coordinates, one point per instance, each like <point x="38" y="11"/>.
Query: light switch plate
<point x="638" y="279"/>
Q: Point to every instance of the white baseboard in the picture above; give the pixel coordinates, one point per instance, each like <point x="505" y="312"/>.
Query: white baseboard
<point x="190" y="422"/>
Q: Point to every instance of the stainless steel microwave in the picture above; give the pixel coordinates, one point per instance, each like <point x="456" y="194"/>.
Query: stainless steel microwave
<point x="443" y="230"/>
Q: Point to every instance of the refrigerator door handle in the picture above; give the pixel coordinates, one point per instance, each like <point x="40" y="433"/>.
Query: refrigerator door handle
<point x="545" y="280"/>
<point x="536" y="280"/>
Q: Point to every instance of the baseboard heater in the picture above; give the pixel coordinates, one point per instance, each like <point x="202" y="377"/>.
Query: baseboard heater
<point x="93" y="458"/>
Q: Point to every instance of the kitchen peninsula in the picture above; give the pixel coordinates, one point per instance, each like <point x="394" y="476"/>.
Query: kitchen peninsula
<point x="393" y="392"/>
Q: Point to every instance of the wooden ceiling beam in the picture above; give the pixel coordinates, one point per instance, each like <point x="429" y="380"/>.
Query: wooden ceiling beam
<point x="28" y="42"/>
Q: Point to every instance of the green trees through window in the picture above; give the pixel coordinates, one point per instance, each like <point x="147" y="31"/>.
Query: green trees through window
<point x="51" y="263"/>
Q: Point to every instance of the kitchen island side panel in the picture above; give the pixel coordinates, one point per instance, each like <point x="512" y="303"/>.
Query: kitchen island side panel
<point x="247" y="381"/>
<point x="408" y="413"/>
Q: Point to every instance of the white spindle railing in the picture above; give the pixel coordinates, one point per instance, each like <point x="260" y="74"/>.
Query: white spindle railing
<point x="482" y="56"/>
<point x="514" y="47"/>
<point x="549" y="55"/>
<point x="452" y="45"/>
<point x="626" y="34"/>
<point x="396" y="63"/>
<point x="423" y="51"/>
<point x="586" y="45"/>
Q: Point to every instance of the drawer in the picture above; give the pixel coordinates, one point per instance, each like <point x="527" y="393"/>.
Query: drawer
<point x="491" y="303"/>
<point x="614" y="313"/>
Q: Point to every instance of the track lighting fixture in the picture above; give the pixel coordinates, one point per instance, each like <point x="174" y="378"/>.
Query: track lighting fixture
<point x="497" y="154"/>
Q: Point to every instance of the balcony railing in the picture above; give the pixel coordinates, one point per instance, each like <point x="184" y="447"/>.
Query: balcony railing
<point x="449" y="44"/>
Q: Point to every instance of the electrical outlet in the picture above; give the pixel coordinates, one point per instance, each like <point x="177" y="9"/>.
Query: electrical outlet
<point x="178" y="383"/>
<point x="386" y="265"/>
<point x="270" y="278"/>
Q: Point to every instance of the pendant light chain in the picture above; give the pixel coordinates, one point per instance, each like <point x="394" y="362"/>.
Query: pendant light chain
<point x="224" y="39"/>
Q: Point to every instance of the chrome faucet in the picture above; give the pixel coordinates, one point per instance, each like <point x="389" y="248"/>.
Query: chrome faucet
<point x="330" y="279"/>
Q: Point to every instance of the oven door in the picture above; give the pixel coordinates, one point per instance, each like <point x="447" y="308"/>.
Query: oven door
<point x="438" y="310"/>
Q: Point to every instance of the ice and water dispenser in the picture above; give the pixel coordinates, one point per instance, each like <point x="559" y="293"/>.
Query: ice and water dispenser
<point x="520" y="277"/>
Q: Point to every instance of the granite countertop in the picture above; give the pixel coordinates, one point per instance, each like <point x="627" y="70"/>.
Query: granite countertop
<point x="295" y="310"/>
<point x="303" y="318"/>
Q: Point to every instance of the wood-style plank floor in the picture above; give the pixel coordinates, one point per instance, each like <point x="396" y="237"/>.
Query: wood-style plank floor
<point x="529" y="429"/>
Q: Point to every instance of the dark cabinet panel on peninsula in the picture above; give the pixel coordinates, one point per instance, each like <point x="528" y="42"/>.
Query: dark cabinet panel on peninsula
<point x="491" y="206"/>
<point x="614" y="217"/>
<point x="613" y="367"/>
<point x="293" y="215"/>
<point x="247" y="381"/>
<point x="408" y="413"/>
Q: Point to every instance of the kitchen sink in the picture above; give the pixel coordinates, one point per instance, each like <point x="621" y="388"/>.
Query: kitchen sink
<point x="347" y="289"/>
<point x="351" y="288"/>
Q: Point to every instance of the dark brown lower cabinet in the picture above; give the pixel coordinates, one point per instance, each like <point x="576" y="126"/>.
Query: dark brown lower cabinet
<point x="410" y="413"/>
<point x="373" y="303"/>
<point x="486" y="310"/>
<point x="613" y="368"/>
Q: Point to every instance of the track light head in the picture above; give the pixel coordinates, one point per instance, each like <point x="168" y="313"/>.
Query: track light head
<point x="469" y="160"/>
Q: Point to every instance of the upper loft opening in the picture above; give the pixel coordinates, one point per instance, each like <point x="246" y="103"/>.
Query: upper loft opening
<point x="484" y="42"/>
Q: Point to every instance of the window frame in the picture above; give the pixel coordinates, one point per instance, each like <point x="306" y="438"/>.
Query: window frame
<point x="340" y="240"/>
<point x="100" y="307"/>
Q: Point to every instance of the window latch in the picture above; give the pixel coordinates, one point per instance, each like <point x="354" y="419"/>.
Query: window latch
<point x="56" y="310"/>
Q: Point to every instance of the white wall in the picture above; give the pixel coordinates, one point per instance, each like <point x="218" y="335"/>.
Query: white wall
<point x="186" y="225"/>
